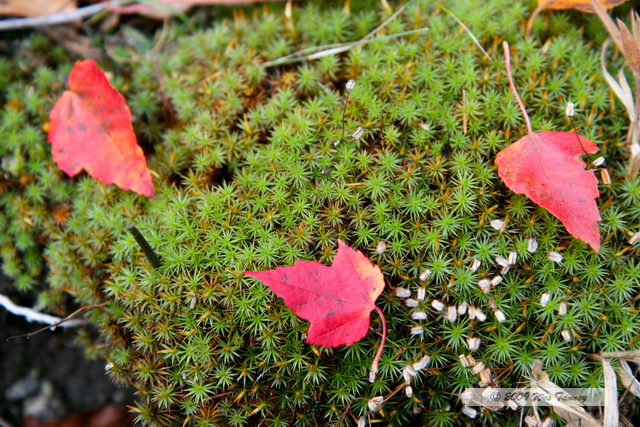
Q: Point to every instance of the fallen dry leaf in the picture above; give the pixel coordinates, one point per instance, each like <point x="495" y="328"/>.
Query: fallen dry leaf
<point x="581" y="5"/>
<point x="90" y="129"/>
<point x="35" y="7"/>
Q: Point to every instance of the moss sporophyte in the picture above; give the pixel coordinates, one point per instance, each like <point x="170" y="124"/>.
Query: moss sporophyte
<point x="479" y="281"/>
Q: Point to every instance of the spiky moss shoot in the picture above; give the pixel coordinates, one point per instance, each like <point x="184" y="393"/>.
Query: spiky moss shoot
<point x="253" y="172"/>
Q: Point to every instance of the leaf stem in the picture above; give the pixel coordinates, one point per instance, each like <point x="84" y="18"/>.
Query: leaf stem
<point x="507" y="60"/>
<point x="374" y="365"/>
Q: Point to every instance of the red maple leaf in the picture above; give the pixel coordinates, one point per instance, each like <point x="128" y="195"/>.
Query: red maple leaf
<point x="337" y="300"/>
<point x="547" y="168"/>
<point x="90" y="129"/>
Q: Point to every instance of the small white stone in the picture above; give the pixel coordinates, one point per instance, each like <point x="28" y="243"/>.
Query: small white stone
<point x="554" y="256"/>
<point x="358" y="132"/>
<point x="497" y="224"/>
<point x="562" y="308"/>
<point x="532" y="245"/>
<point x="484" y="285"/>
<point x="500" y="317"/>
<point x="375" y="403"/>
<point x="410" y="302"/>
<point x="598" y="162"/>
<point x="475" y="265"/>
<point x="469" y="411"/>
<point x="422" y="363"/>
<point x="437" y="305"/>
<point x="381" y="247"/>
<point x="419" y="315"/>
<point x="452" y="313"/>
<point x="569" y="110"/>
<point x="350" y="85"/>
<point x="566" y="335"/>
<point x="403" y="292"/>
<point x="417" y="330"/>
<point x="502" y="261"/>
<point x="422" y="292"/>
<point x="425" y="274"/>
<point x="462" y="308"/>
<point x="635" y="238"/>
<point x="496" y="280"/>
<point x="473" y="343"/>
<point x="513" y="257"/>
<point x="544" y="299"/>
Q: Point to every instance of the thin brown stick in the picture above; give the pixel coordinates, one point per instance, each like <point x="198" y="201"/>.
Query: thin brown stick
<point x="67" y="318"/>
<point x="507" y="60"/>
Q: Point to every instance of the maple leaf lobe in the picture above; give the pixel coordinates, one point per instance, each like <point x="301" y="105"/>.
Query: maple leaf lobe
<point x="90" y="129"/>
<point x="336" y="299"/>
<point x="547" y="168"/>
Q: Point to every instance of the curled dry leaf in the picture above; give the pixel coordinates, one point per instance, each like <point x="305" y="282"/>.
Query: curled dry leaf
<point x="35" y="7"/>
<point x="90" y="129"/>
<point x="581" y="5"/>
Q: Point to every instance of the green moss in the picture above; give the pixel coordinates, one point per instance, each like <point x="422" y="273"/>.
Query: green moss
<point x="252" y="172"/>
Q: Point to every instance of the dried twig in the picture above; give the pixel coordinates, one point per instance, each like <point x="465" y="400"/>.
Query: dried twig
<point x="30" y="314"/>
<point x="64" y="322"/>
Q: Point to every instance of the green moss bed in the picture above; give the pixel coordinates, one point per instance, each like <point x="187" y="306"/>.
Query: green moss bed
<point x="252" y="171"/>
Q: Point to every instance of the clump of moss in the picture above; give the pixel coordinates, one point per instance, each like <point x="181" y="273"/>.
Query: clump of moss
<point x="253" y="172"/>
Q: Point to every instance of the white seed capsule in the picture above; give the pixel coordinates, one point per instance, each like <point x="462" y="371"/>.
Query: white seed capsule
<point x="566" y="335"/>
<point x="505" y="270"/>
<point x="425" y="274"/>
<point x="108" y="367"/>
<point x="375" y="403"/>
<point x="598" y="162"/>
<point x="554" y="256"/>
<point x="512" y="404"/>
<point x="381" y="247"/>
<point x="462" y="308"/>
<point x="419" y="315"/>
<point x="469" y="412"/>
<point x="544" y="299"/>
<point x="193" y="302"/>
<point x="562" y="308"/>
<point x="548" y="422"/>
<point x="463" y="361"/>
<point x="635" y="238"/>
<point x="410" y="302"/>
<point x="531" y="421"/>
<point x="407" y="373"/>
<point x="497" y="224"/>
<point x="569" y="110"/>
<point x="513" y="257"/>
<point x="484" y="285"/>
<point x="417" y="330"/>
<point x="425" y="126"/>
<point x="358" y="132"/>
<point x="473" y="343"/>
<point x="485" y="377"/>
<point x="422" y="363"/>
<point x="475" y="265"/>
<point x="467" y="395"/>
<point x="362" y="422"/>
<point x="403" y="292"/>
<point x="422" y="292"/>
<point x="452" y="313"/>
<point x="496" y="281"/>
<point x="480" y="315"/>
<point x="350" y="85"/>
<point x="604" y="176"/>
<point x="408" y="391"/>
<point x="500" y="317"/>
<point x="437" y="305"/>
<point x="532" y="245"/>
<point x="477" y="368"/>
<point x="502" y="261"/>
